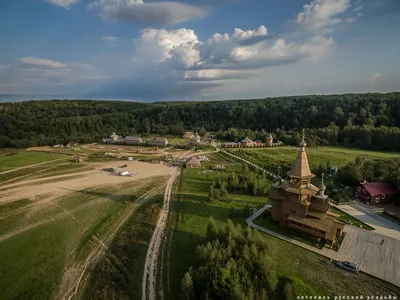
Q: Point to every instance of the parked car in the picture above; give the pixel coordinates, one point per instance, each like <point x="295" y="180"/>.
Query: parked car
<point x="348" y="266"/>
<point x="124" y="166"/>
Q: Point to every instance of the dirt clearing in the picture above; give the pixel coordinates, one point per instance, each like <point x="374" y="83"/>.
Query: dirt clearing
<point x="29" y="189"/>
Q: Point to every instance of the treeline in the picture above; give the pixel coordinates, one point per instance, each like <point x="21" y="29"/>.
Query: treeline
<point x="237" y="263"/>
<point x="249" y="182"/>
<point x="363" y="120"/>
<point x="363" y="137"/>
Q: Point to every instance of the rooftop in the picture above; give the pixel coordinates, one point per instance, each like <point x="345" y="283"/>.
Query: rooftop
<point x="301" y="168"/>
<point x="379" y="188"/>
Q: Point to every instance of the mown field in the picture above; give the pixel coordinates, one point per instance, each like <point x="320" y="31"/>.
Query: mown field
<point x="44" y="170"/>
<point x="118" y="275"/>
<point x="191" y="215"/>
<point x="40" y="239"/>
<point x="15" y="158"/>
<point x="285" y="156"/>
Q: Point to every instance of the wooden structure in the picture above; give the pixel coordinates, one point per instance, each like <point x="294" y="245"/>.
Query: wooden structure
<point x="196" y="139"/>
<point x="270" y="140"/>
<point x="158" y="141"/>
<point x="135" y="140"/>
<point x="300" y="205"/>
<point x="193" y="163"/>
<point x="246" y="142"/>
<point x="188" y="135"/>
<point x="114" y="139"/>
<point x="376" y="192"/>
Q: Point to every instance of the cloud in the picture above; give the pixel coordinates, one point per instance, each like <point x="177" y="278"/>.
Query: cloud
<point x="63" y="3"/>
<point x="37" y="74"/>
<point x="374" y="78"/>
<point x="353" y="19"/>
<point x="143" y="13"/>
<point x="41" y="62"/>
<point x="183" y="51"/>
<point x="322" y="13"/>
<point x="111" y="39"/>
<point x="176" y="64"/>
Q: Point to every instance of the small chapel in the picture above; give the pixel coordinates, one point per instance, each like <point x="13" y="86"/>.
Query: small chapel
<point x="302" y="206"/>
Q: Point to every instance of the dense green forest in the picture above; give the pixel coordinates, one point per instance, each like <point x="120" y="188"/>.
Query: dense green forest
<point x="360" y="120"/>
<point x="237" y="263"/>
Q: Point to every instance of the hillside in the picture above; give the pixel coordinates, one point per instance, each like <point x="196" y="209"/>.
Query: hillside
<point x="361" y="120"/>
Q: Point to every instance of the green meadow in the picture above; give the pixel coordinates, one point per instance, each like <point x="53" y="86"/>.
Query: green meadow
<point x="190" y="216"/>
<point x="15" y="158"/>
<point x="39" y="240"/>
<point x="316" y="155"/>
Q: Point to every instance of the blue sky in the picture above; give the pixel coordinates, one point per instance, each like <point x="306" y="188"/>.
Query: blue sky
<point x="197" y="49"/>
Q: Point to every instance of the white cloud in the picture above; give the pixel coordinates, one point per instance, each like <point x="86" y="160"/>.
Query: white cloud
<point x="322" y="13"/>
<point x="37" y="74"/>
<point x="223" y="56"/>
<point x="111" y="39"/>
<point x="374" y="78"/>
<point x="63" y="3"/>
<point x="353" y="19"/>
<point x="143" y="13"/>
<point x="161" y="45"/>
<point x="42" y="62"/>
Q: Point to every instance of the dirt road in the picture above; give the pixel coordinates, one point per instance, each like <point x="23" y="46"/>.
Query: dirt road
<point x="149" y="288"/>
<point x="75" y="276"/>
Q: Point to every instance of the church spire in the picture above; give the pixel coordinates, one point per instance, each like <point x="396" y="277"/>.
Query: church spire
<point x="303" y="143"/>
<point x="301" y="168"/>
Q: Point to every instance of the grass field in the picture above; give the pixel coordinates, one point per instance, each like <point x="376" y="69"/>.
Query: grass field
<point x="38" y="240"/>
<point x="15" y="158"/>
<point x="316" y="155"/>
<point x="192" y="213"/>
<point x="177" y="140"/>
<point x="118" y="273"/>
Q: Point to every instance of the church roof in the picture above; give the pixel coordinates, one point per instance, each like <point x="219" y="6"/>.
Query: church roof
<point x="246" y="140"/>
<point x="301" y="168"/>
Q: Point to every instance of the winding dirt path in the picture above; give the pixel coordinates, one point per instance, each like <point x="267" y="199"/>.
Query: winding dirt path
<point x="149" y="287"/>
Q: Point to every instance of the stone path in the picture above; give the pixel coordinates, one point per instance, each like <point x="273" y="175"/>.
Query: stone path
<point x="375" y="254"/>
<point x="380" y="224"/>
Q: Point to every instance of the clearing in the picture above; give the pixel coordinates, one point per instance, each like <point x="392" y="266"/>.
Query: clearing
<point x="66" y="216"/>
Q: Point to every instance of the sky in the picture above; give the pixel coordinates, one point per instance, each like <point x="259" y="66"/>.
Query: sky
<point x="152" y="50"/>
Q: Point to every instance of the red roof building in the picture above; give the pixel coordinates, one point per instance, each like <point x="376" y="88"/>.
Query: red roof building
<point x="376" y="192"/>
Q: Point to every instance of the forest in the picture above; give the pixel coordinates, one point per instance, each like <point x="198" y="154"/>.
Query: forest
<point x="368" y="121"/>
<point x="241" y="265"/>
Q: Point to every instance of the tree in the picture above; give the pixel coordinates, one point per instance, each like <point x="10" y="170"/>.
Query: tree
<point x="236" y="264"/>
<point x="187" y="286"/>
